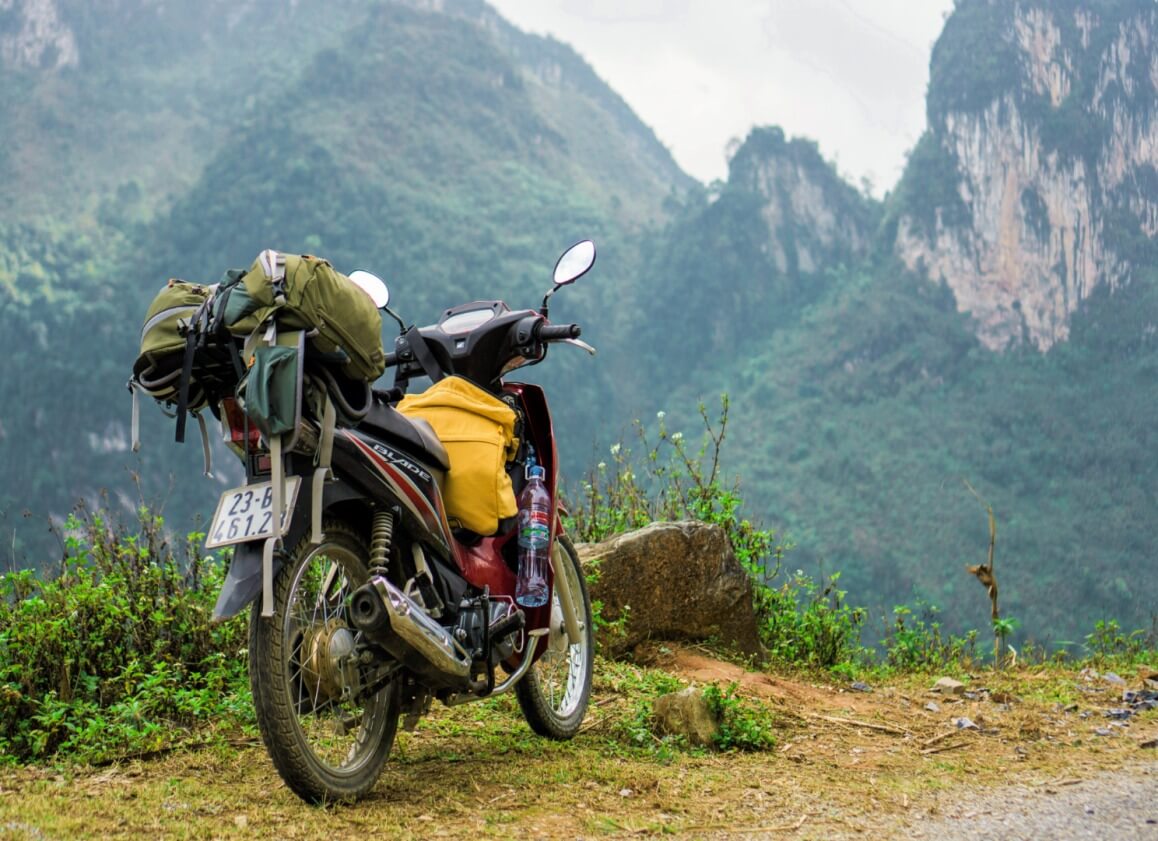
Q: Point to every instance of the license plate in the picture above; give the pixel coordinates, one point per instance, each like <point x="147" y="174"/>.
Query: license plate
<point x="246" y="513"/>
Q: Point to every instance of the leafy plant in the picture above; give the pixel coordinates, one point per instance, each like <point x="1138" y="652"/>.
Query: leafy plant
<point x="804" y="623"/>
<point x="915" y="641"/>
<point x="743" y="723"/>
<point x="116" y="653"/>
<point x="669" y="480"/>
<point x="1109" y="643"/>
<point x="801" y="622"/>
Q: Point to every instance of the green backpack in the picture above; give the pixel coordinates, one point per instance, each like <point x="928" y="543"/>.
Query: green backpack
<point x="192" y="340"/>
<point x="306" y="293"/>
<point x="157" y="370"/>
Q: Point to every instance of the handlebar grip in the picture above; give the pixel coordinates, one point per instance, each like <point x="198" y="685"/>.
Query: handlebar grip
<point x="391" y="359"/>
<point x="555" y="332"/>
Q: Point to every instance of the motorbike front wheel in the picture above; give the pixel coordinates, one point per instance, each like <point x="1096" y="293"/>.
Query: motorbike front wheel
<point x="554" y="693"/>
<point x="327" y="738"/>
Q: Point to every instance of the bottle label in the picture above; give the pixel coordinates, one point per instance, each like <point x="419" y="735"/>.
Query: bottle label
<point x="535" y="529"/>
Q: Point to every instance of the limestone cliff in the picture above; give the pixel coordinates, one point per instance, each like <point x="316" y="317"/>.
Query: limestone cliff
<point x="813" y="219"/>
<point x="1035" y="182"/>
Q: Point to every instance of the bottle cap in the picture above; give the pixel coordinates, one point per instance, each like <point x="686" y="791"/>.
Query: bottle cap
<point x="536" y="472"/>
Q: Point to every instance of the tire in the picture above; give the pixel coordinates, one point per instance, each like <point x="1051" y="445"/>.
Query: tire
<point x="326" y="747"/>
<point x="554" y="693"/>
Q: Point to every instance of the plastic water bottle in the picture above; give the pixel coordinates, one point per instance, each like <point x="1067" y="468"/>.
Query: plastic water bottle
<point x="534" y="540"/>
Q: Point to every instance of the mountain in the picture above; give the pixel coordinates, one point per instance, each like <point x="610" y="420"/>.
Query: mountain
<point x="993" y="322"/>
<point x="430" y="142"/>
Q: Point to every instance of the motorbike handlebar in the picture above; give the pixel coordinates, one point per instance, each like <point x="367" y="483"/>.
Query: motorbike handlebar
<point x="540" y="331"/>
<point x="557" y="332"/>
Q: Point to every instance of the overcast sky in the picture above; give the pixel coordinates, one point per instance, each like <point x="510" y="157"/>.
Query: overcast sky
<point x="849" y="74"/>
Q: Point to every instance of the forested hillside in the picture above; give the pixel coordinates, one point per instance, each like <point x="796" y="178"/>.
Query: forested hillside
<point x="993" y="320"/>
<point x="444" y="150"/>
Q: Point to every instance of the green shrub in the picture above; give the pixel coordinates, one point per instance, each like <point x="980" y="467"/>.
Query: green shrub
<point x="115" y="654"/>
<point x="667" y="480"/>
<point x="805" y="624"/>
<point x="743" y="723"/>
<point x="1108" y="643"/>
<point x="915" y="641"/>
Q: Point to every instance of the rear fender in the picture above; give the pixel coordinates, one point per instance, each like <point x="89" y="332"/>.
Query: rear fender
<point x="243" y="580"/>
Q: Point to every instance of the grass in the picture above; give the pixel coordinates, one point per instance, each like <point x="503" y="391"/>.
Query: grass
<point x="844" y="762"/>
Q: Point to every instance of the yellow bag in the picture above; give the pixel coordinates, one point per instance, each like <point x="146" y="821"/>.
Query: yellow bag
<point x="478" y="431"/>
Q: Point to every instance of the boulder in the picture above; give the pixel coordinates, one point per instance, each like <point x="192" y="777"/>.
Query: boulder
<point x="686" y="713"/>
<point x="671" y="581"/>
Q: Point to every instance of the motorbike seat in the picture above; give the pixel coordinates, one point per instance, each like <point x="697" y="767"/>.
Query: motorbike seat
<point x="385" y="421"/>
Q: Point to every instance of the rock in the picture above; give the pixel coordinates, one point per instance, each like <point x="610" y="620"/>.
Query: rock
<point x="1110" y="677"/>
<point x="673" y="581"/>
<point x="860" y="686"/>
<point x="932" y="707"/>
<point x="965" y="724"/>
<point x="948" y="686"/>
<point x="1141" y="700"/>
<point x="686" y="713"/>
<point x="1119" y="713"/>
<point x="1151" y="743"/>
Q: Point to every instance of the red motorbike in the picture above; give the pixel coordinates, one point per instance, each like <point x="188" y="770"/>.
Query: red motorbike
<point x="366" y="603"/>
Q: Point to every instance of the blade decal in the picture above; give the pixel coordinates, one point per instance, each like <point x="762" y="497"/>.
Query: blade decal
<point x="431" y="515"/>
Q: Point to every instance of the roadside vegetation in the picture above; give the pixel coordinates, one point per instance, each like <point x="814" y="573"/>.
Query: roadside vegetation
<point x="113" y="656"/>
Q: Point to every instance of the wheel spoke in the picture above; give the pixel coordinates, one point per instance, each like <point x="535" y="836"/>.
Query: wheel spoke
<point x="327" y="732"/>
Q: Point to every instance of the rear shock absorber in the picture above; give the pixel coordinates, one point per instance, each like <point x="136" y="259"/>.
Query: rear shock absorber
<point x="381" y="534"/>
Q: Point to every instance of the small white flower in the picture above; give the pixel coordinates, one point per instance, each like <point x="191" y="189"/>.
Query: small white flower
<point x="615" y="449"/>
<point x="676" y="437"/>
<point x="602" y="466"/>
<point x="661" y="414"/>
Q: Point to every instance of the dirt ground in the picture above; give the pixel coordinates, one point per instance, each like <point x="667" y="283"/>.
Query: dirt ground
<point x="848" y="761"/>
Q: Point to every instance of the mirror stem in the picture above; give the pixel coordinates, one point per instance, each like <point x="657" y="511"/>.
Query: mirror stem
<point x="394" y="315"/>
<point x="546" y="298"/>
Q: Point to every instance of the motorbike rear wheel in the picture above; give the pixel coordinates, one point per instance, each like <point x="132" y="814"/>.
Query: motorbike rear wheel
<point x="326" y="744"/>
<point x="554" y="693"/>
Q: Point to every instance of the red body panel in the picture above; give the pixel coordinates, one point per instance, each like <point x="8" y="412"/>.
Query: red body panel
<point x="483" y="564"/>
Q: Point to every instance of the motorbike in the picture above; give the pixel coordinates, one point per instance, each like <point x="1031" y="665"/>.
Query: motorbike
<point x="366" y="605"/>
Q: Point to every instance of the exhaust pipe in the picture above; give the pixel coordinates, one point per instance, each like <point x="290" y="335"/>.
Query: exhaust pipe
<point x="391" y="619"/>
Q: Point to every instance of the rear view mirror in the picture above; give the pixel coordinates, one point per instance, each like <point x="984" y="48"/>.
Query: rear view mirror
<point x="575" y="262"/>
<point x="373" y="286"/>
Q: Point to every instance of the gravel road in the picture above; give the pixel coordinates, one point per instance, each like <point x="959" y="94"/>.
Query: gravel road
<point x="1121" y="804"/>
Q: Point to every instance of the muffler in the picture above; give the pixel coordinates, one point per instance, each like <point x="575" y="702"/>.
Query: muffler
<point x="391" y="619"/>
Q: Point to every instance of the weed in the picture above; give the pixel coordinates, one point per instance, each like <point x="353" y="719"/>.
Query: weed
<point x="743" y="723"/>
<point x="804" y="624"/>
<point x="915" y="642"/>
<point x="1109" y="644"/>
<point x="116" y="653"/>
<point x="670" y="481"/>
